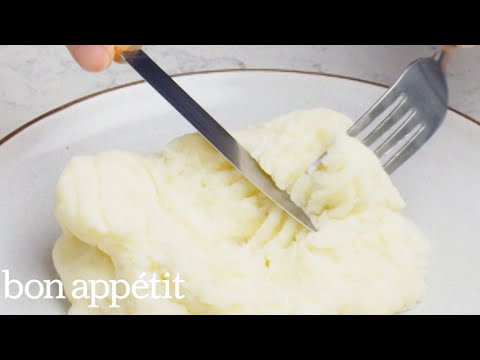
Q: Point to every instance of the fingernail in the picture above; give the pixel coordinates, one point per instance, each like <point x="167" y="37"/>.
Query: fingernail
<point x="107" y="59"/>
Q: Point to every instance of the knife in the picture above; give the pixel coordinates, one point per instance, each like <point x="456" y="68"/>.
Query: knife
<point x="210" y="129"/>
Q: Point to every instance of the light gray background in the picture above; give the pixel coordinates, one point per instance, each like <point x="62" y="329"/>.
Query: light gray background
<point x="37" y="78"/>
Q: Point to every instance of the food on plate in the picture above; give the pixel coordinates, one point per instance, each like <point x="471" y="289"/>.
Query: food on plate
<point x="187" y="211"/>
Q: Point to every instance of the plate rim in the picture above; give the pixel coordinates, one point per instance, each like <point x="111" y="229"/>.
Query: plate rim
<point x="81" y="99"/>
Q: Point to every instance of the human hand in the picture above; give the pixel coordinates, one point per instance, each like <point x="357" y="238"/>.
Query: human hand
<point x="92" y="58"/>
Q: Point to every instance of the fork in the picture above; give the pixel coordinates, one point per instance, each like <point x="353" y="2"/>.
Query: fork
<point x="407" y="115"/>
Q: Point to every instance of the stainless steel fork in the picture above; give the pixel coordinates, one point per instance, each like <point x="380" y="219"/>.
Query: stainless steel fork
<point x="407" y="115"/>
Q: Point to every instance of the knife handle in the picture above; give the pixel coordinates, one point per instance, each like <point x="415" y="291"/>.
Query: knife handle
<point x="120" y="49"/>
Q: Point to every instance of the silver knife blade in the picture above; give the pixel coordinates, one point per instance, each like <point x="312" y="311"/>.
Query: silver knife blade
<point x="213" y="132"/>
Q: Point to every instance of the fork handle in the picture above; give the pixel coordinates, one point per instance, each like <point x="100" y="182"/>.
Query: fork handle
<point x="445" y="53"/>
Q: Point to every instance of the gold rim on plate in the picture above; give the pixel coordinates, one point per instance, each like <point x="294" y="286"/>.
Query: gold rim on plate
<point x="28" y="124"/>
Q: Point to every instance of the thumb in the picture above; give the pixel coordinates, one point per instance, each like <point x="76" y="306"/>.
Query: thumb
<point x="92" y="57"/>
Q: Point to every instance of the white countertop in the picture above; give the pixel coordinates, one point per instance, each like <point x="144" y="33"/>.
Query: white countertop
<point x="37" y="78"/>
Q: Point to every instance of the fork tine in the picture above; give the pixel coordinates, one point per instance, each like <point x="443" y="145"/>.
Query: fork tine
<point x="395" y="115"/>
<point x="376" y="110"/>
<point x="408" y="125"/>
<point x="313" y="166"/>
<point x="407" y="150"/>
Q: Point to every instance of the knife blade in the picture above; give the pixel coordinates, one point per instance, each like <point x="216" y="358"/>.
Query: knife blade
<point x="213" y="132"/>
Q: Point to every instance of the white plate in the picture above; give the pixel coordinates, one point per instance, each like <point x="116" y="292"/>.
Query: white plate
<point x="441" y="184"/>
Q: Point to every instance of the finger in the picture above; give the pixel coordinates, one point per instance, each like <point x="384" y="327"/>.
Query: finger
<point x="92" y="57"/>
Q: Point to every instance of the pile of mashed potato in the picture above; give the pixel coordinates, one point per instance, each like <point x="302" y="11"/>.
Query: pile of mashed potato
<point x="186" y="210"/>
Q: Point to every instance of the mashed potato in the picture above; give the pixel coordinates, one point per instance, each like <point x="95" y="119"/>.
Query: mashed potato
<point x="188" y="211"/>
